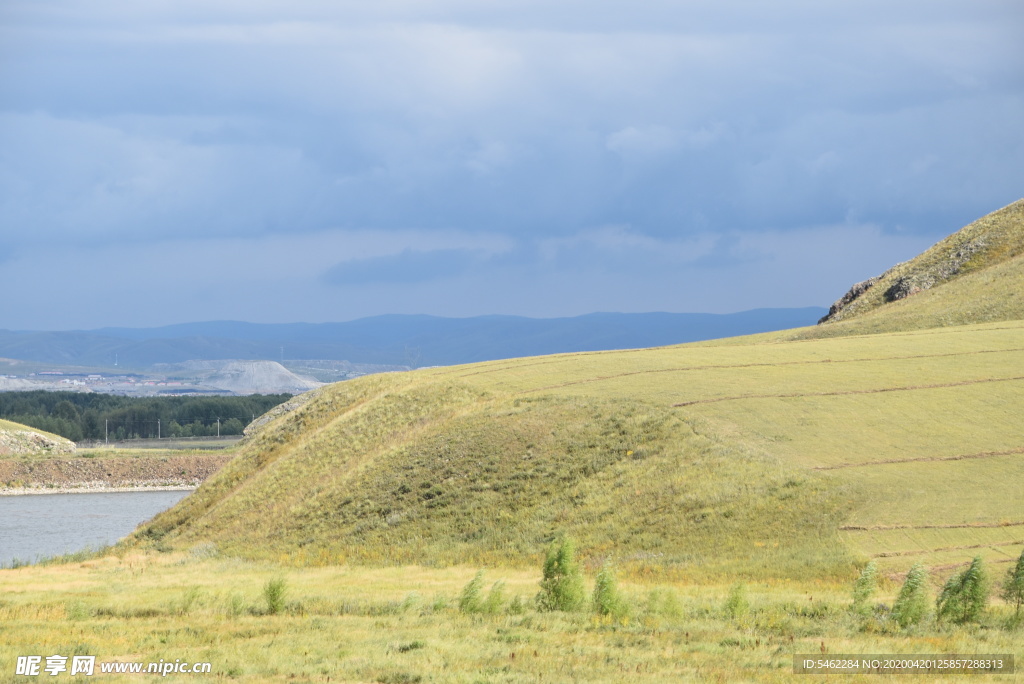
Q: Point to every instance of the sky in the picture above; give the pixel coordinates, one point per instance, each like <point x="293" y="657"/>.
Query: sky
<point x="188" y="160"/>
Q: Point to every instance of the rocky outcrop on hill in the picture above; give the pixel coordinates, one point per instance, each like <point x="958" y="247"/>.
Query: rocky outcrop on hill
<point x="923" y="279"/>
<point x="990" y="240"/>
<point x="18" y="442"/>
<point x="856" y="291"/>
<point x="279" y="410"/>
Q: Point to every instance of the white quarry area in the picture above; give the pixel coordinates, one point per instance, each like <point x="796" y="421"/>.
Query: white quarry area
<point x="258" y="377"/>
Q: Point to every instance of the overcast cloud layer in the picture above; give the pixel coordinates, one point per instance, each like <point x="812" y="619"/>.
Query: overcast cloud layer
<point x="164" y="162"/>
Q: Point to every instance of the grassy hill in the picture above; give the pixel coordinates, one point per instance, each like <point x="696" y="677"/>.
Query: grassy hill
<point x="434" y="470"/>
<point x="752" y="456"/>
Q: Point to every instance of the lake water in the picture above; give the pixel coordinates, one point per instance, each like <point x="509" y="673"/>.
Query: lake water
<point x="34" y="526"/>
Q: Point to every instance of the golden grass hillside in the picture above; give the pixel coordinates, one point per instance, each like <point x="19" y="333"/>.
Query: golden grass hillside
<point x="754" y="456"/>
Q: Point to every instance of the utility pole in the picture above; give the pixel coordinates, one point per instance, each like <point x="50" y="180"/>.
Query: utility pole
<point x="218" y="426"/>
<point x="158" y="428"/>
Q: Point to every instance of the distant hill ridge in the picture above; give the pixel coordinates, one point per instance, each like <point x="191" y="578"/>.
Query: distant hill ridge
<point x="404" y="340"/>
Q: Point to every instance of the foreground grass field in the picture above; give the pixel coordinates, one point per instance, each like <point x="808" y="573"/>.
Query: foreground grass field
<point x="403" y="624"/>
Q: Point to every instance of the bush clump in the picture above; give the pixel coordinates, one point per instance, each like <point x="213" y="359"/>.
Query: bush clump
<point x="562" y="586"/>
<point x="911" y="605"/>
<point x="736" y="604"/>
<point x="965" y="594"/>
<point x="864" y="588"/>
<point x="274" y="593"/>
<point x="606" y="599"/>
<point x="471" y="598"/>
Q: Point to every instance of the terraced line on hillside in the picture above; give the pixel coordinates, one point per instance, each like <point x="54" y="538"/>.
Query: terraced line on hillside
<point x="560" y="358"/>
<point x="682" y="369"/>
<point x="508" y="366"/>
<point x="920" y="459"/>
<point x="923" y="552"/>
<point x="797" y="395"/>
<point x="807" y="334"/>
<point x="936" y="569"/>
<point x="951" y="526"/>
<point x="927" y="332"/>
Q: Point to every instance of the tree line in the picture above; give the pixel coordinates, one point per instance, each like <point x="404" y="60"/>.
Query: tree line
<point x="94" y="416"/>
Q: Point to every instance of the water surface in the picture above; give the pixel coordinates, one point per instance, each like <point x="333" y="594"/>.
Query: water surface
<point x="39" y="525"/>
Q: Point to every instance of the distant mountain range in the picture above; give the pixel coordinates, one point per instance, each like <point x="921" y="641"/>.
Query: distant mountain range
<point x="408" y="340"/>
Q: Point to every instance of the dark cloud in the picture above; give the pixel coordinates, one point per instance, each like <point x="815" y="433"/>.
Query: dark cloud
<point x="540" y="123"/>
<point x="406" y="267"/>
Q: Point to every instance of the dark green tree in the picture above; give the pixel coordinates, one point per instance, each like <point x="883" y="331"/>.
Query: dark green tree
<point x="66" y="411"/>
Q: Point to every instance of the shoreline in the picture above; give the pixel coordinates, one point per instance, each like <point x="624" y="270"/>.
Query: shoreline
<point x="108" y="475"/>
<point x="89" y="488"/>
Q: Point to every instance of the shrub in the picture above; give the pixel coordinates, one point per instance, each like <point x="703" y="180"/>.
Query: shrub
<point x="516" y="606"/>
<point x="495" y="599"/>
<point x="607" y="599"/>
<point x="965" y="594"/>
<point x="562" y="586"/>
<point x="737" y="605"/>
<point x="187" y="601"/>
<point x="273" y="593"/>
<point x="470" y="600"/>
<point x="235" y="605"/>
<point x="664" y="603"/>
<point x="1013" y="588"/>
<point x="864" y="588"/>
<point x="911" y="605"/>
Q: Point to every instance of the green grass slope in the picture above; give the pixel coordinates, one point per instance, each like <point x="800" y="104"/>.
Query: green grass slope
<point x="972" y="276"/>
<point x="420" y="468"/>
<point x="756" y="456"/>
